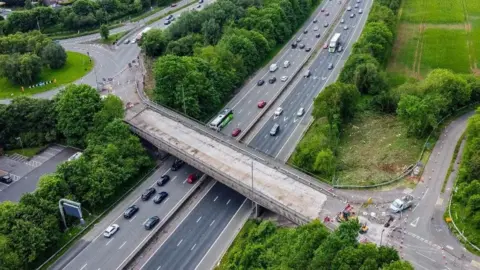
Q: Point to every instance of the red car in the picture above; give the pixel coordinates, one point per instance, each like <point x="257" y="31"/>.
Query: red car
<point x="261" y="104"/>
<point x="192" y="178"/>
<point x="235" y="132"/>
<point x="325" y="45"/>
<point x="173" y="5"/>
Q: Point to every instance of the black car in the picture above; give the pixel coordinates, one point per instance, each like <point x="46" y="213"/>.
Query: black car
<point x="130" y="211"/>
<point x="163" y="180"/>
<point x="317" y="35"/>
<point x="148" y="193"/>
<point x="302" y="46"/>
<point x="6" y="179"/>
<point x="305" y="31"/>
<point x="177" y="164"/>
<point x="160" y="197"/>
<point x="294" y="45"/>
<point x="314" y="20"/>
<point x="260" y="82"/>
<point x="166" y="22"/>
<point x="308" y="49"/>
<point x="151" y="222"/>
<point x="272" y="80"/>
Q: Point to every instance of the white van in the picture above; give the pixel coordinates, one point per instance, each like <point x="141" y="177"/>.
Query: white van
<point x="75" y="156"/>
<point x="286" y="64"/>
<point x="273" y="67"/>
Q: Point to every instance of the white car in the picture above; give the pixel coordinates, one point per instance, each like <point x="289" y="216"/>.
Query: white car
<point x="286" y="64"/>
<point x="273" y="67"/>
<point x="278" y="111"/>
<point x="349" y="8"/>
<point x="342" y="21"/>
<point x="345" y="27"/>
<point x="300" y="112"/>
<point x="315" y="28"/>
<point x="284" y="78"/>
<point x="75" y="156"/>
<point x="111" y="230"/>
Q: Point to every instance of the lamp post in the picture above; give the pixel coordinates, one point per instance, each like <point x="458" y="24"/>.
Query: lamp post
<point x="381" y="236"/>
<point x="21" y="144"/>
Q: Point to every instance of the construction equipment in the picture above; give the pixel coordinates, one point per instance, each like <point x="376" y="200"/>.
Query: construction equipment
<point x="346" y="214"/>
<point x="363" y="228"/>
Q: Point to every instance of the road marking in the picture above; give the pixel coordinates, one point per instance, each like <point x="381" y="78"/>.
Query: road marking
<point x="185" y="180"/>
<point x="159" y="267"/>
<point x="193" y="247"/>
<point x="122" y="245"/>
<point x="199" y="219"/>
<point x="166" y="200"/>
<point x="133" y="218"/>
<point x="212" y="222"/>
<point x="173" y="179"/>
<point x="228" y="201"/>
<point x="250" y="101"/>
<point x="285" y="119"/>
<point x="215" y="199"/>
<point x="415" y="222"/>
<point x="109" y="242"/>
<point x="179" y="242"/>
<point x="83" y="266"/>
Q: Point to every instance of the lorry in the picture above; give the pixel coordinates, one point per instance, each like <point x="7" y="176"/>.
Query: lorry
<point x="334" y="43"/>
<point x="401" y="204"/>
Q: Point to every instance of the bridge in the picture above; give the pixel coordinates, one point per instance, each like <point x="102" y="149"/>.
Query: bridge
<point x="271" y="185"/>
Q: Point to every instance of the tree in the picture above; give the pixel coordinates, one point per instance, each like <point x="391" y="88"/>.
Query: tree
<point x="336" y="102"/>
<point x="211" y="31"/>
<point x="28" y="4"/>
<point x="54" y="55"/>
<point x="21" y="69"/>
<point x="452" y="87"/>
<point x="369" y="79"/>
<point x="76" y="107"/>
<point x="376" y="39"/>
<point x="154" y="42"/>
<point x="104" y="31"/>
<point x="348" y="72"/>
<point x="399" y="265"/>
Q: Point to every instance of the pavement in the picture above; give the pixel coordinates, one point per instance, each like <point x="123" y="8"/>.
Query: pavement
<point x="96" y="252"/>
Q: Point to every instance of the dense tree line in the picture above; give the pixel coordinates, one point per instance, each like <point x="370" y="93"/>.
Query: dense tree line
<point x="30" y="230"/>
<point x="263" y="245"/>
<point x="205" y="55"/>
<point x="23" y="56"/>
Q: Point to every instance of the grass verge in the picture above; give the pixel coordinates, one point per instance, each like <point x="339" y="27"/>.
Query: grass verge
<point x="452" y="162"/>
<point x="67" y="35"/>
<point x="28" y="152"/>
<point x="459" y="215"/>
<point x="77" y="66"/>
<point x="113" y="37"/>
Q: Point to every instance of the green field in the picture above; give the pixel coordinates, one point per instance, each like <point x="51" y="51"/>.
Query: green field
<point x="433" y="11"/>
<point x="77" y="66"/>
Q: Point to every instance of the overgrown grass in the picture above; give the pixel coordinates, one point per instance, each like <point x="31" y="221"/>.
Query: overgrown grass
<point x="77" y="66"/>
<point x="433" y="11"/>
<point x="375" y="148"/>
<point x="462" y="220"/>
<point x="28" y="152"/>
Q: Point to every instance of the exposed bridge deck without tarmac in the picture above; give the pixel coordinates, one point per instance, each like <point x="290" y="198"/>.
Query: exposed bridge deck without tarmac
<point x="270" y="184"/>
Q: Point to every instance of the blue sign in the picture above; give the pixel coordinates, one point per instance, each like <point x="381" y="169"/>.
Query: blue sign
<point x="72" y="210"/>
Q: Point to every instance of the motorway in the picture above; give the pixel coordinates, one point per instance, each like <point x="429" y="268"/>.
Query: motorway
<point x="306" y="89"/>
<point x="244" y="103"/>
<point x="104" y="253"/>
<point x="191" y="240"/>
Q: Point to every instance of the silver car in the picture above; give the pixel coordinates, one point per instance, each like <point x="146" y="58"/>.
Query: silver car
<point x="300" y="112"/>
<point x="349" y="8"/>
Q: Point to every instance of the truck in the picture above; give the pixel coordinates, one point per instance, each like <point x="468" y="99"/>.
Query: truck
<point x="139" y="36"/>
<point x="334" y="42"/>
<point x="401" y="204"/>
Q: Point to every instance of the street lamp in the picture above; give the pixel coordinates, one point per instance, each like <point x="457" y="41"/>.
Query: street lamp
<point x="21" y="144"/>
<point x="381" y="236"/>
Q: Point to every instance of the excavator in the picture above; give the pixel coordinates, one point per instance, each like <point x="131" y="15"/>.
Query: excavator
<point x="346" y="214"/>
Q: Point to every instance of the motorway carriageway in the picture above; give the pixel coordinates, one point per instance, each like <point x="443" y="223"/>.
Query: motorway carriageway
<point x="306" y="89"/>
<point x="105" y="253"/>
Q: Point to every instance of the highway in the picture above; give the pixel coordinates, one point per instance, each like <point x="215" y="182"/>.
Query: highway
<point x="104" y="253"/>
<point x="245" y="102"/>
<point x="191" y="240"/>
<point x="306" y="89"/>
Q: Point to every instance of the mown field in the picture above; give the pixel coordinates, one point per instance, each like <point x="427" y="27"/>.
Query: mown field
<point x="437" y="34"/>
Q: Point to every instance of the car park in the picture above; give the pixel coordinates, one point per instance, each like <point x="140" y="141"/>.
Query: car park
<point x="278" y="111"/>
<point x="160" y="197"/>
<point x="300" y="112"/>
<point x="286" y="64"/>
<point x="274" y="130"/>
<point x="301" y="46"/>
<point x="330" y="66"/>
<point x="284" y="78"/>
<point x="349" y="8"/>
<point x="111" y="230"/>
<point x="352" y="15"/>
<point x="151" y="222"/>
<point x="177" y="164"/>
<point x="6" y="179"/>
<point x="317" y="35"/>
<point x="260" y="82"/>
<point x="192" y="178"/>
<point x="261" y="104"/>
<point x="130" y="211"/>
<point x="148" y="193"/>
<point x="272" y="80"/>
<point x="163" y="180"/>
<point x="236" y="132"/>
<point x="325" y="24"/>
<point x="308" y="49"/>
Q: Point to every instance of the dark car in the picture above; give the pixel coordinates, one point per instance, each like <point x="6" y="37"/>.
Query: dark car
<point x="272" y="80"/>
<point x="148" y="193"/>
<point x="322" y="10"/>
<point x="177" y="164"/>
<point x="6" y="179"/>
<point x="163" y="180"/>
<point x="166" y="22"/>
<point x="317" y="35"/>
<point x="308" y="49"/>
<point x="305" y="31"/>
<point x="151" y="222"/>
<point x="170" y="17"/>
<point x="173" y="5"/>
<point x="260" y="82"/>
<point x="301" y="46"/>
<point x="315" y="21"/>
<point x="294" y="45"/>
<point x="160" y="197"/>
<point x="130" y="211"/>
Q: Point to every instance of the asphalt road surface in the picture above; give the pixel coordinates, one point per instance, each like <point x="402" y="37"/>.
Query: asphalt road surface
<point x="245" y="102"/>
<point x="108" y="253"/>
<point x="190" y="241"/>
<point x="306" y="89"/>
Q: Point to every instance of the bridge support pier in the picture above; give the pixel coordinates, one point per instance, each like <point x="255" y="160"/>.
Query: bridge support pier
<point x="257" y="210"/>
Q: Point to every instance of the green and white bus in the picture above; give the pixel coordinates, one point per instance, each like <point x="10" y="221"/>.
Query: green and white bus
<point x="222" y="119"/>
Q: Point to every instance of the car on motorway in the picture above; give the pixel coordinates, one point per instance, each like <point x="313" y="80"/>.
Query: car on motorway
<point x="322" y="10"/>
<point x="130" y="211"/>
<point x="163" y="180"/>
<point x="327" y="14"/>
<point x="340" y="49"/>
<point x="200" y="1"/>
<point x="352" y="15"/>
<point x="111" y="230"/>
<point x="315" y="20"/>
<point x="330" y="65"/>
<point x="301" y="46"/>
<point x="300" y="112"/>
<point x="199" y="6"/>
<point x="170" y="17"/>
<point x="173" y="5"/>
<point x="6" y="179"/>
<point x="160" y="197"/>
<point x="126" y="41"/>
<point x="342" y="20"/>
<point x="260" y="82"/>
<point x="305" y="31"/>
<point x="192" y="178"/>
<point x="286" y="64"/>
<point x="261" y="104"/>
<point x="272" y="80"/>
<point x="317" y="35"/>
<point x="177" y="164"/>
<point x="278" y="111"/>
<point x="349" y="8"/>
<point x="75" y="156"/>
<point x="325" y="24"/>
<point x="151" y="222"/>
<point x="307" y="73"/>
<point x="308" y="49"/>
<point x="236" y="132"/>
<point x="360" y="11"/>
<point x="166" y="22"/>
<point x="299" y="39"/>
<point x="148" y="193"/>
<point x="294" y="45"/>
<point x="274" y="130"/>
<point x="273" y="67"/>
<point x="284" y="78"/>
<point x="345" y="27"/>
<point x="356" y="6"/>
<point x="325" y="46"/>
<point x="315" y="28"/>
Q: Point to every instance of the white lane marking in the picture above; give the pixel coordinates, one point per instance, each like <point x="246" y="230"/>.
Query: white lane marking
<point x="193" y="247"/>
<point x="173" y="179"/>
<point x="185" y="180"/>
<point x="159" y="267"/>
<point x="83" y="266"/>
<point x="166" y="200"/>
<point x="178" y="225"/>
<point x="415" y="222"/>
<point x="426" y="191"/>
<point x="133" y="218"/>
<point x="425" y="256"/>
<point x="109" y="242"/>
<point x="228" y="201"/>
<point x="212" y="223"/>
<point x="179" y="242"/>
<point x="215" y="199"/>
<point x="199" y="219"/>
<point x="122" y="245"/>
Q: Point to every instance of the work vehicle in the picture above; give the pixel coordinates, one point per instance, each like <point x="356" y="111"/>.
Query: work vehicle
<point x="130" y="211"/>
<point x="278" y="111"/>
<point x="272" y="80"/>
<point x="6" y="179"/>
<point x="236" y="132"/>
<point x="261" y="104"/>
<point x="177" y="164"/>
<point x="151" y="222"/>
<point x="139" y="36"/>
<point x="273" y="67"/>
<point x="346" y="215"/>
<point x="111" y="230"/>
<point x="300" y="112"/>
<point x="401" y="204"/>
<point x="192" y="178"/>
<point x="148" y="193"/>
<point x="286" y="64"/>
<point x="334" y="42"/>
<point x="160" y="197"/>
<point x="274" y="130"/>
<point x="223" y="118"/>
<point x="163" y="180"/>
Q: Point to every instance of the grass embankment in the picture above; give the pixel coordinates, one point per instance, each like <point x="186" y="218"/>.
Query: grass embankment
<point x="113" y="37"/>
<point x="77" y="66"/>
<point x="28" y="152"/>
